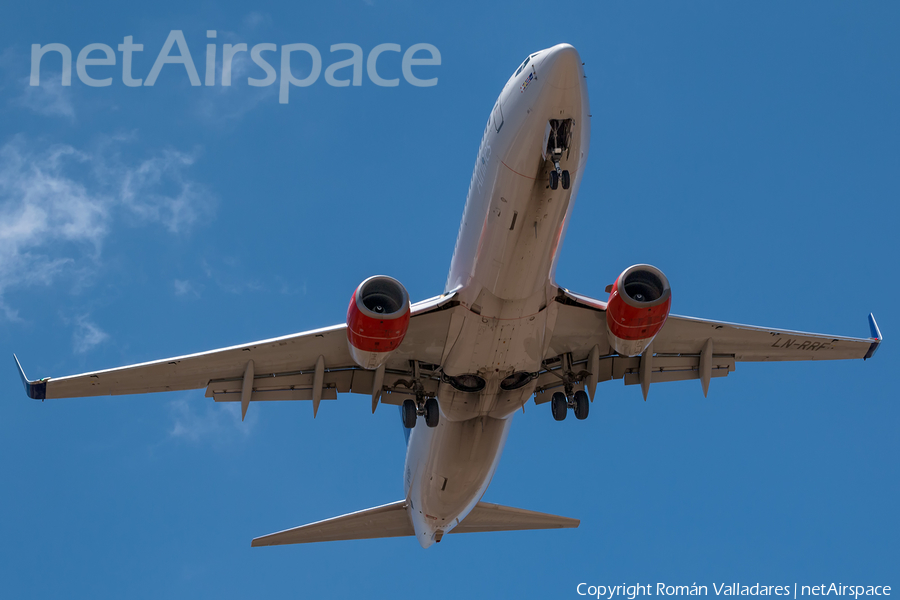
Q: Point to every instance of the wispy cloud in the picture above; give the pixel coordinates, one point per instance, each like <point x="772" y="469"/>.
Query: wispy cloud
<point x="139" y="187"/>
<point x="204" y="421"/>
<point x="223" y="104"/>
<point x="87" y="335"/>
<point x="230" y="279"/>
<point x="50" y="98"/>
<point x="184" y="287"/>
<point x="256" y="19"/>
<point x="59" y="203"/>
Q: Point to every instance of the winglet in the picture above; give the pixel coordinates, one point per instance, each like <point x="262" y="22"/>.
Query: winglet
<point x="876" y="335"/>
<point x="35" y="389"/>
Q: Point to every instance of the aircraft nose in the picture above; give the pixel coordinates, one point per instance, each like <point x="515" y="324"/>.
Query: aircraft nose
<point x="560" y="67"/>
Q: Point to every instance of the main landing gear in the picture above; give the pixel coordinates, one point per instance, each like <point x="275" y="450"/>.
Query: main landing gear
<point x="579" y="401"/>
<point x="427" y="407"/>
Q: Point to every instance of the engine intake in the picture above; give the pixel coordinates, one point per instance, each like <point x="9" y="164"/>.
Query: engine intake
<point x="639" y="304"/>
<point x="377" y="319"/>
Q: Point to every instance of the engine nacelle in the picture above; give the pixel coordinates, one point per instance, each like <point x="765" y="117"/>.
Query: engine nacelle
<point x="377" y="319"/>
<point x="638" y="306"/>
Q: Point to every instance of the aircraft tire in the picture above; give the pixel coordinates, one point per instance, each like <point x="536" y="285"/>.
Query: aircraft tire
<point x="554" y="180"/>
<point x="432" y="412"/>
<point x="582" y="405"/>
<point x="409" y="414"/>
<point x="565" y="180"/>
<point x="559" y="406"/>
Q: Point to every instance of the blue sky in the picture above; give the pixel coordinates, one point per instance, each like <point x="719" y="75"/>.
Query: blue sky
<point x="749" y="150"/>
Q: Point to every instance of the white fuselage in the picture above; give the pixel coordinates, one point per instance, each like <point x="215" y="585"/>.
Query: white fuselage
<point x="502" y="272"/>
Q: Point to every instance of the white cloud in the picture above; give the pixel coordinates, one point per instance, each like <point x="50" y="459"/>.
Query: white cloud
<point x="176" y="211"/>
<point x="232" y="279"/>
<point x="184" y="287"/>
<point x="50" y="98"/>
<point x="59" y="203"/>
<point x="87" y="335"/>
<point x="257" y="19"/>
<point x="224" y="104"/>
<point x="203" y="420"/>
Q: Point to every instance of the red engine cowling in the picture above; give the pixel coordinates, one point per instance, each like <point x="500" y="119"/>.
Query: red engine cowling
<point x="638" y="307"/>
<point x="377" y="319"/>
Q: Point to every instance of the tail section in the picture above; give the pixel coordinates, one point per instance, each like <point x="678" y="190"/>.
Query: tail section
<point x="496" y="517"/>
<point x="392" y="520"/>
<point x="388" y="520"/>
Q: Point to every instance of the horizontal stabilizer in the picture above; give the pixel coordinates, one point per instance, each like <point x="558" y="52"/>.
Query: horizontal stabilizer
<point x="495" y="517"/>
<point x="388" y="520"/>
<point x="391" y="520"/>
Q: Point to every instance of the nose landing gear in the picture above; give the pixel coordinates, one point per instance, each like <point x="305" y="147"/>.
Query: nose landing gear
<point x="558" y="140"/>
<point x="557" y="175"/>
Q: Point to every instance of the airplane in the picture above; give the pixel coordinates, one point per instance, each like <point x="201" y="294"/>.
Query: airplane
<point x="460" y="364"/>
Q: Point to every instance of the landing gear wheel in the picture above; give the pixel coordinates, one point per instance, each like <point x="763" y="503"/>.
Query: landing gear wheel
<point x="582" y="405"/>
<point x="559" y="406"/>
<point x="565" y="180"/>
<point x="554" y="180"/>
<point x="408" y="412"/>
<point x="432" y="412"/>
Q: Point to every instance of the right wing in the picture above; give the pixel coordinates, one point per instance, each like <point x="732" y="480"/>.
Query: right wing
<point x="284" y="368"/>
<point x="748" y="343"/>
<point x="685" y="348"/>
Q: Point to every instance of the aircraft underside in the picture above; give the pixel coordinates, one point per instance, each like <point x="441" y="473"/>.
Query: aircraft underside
<point x="461" y="364"/>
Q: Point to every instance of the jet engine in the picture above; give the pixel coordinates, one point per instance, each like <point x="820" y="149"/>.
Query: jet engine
<point x="377" y="319"/>
<point x="639" y="303"/>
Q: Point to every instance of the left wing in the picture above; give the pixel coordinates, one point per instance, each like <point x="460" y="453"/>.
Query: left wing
<point x="685" y="348"/>
<point x="282" y="368"/>
<point x="193" y="371"/>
